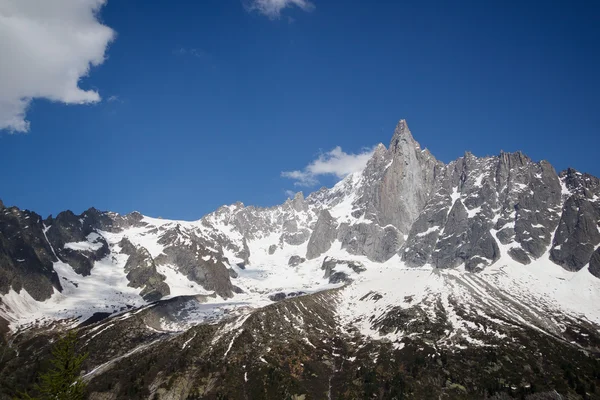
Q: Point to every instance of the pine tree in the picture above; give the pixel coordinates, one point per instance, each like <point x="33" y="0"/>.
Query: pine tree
<point x="62" y="381"/>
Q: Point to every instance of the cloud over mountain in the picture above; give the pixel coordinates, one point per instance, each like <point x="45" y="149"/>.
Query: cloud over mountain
<point x="335" y="162"/>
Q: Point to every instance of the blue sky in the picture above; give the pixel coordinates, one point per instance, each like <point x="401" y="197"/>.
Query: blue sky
<point x="206" y="103"/>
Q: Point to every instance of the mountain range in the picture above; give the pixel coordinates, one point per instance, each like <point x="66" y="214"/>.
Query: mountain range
<point x="411" y="278"/>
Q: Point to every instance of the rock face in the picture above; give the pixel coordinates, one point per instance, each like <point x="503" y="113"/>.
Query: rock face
<point x="194" y="259"/>
<point x="26" y="257"/>
<point x="595" y="263"/>
<point x="344" y="269"/>
<point x="323" y="235"/>
<point x="578" y="233"/>
<point x="141" y="272"/>
<point x="377" y="243"/>
<point x="29" y="247"/>
<point x="65" y="234"/>
<point x="482" y="203"/>
<point x="295" y="260"/>
<point x="406" y="183"/>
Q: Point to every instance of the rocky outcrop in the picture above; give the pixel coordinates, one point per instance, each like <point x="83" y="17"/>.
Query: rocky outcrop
<point x="371" y="240"/>
<point x="322" y="236"/>
<point x="578" y="232"/>
<point x="399" y="181"/>
<point x="26" y="257"/>
<point x="67" y="231"/>
<point x="191" y="256"/>
<point x="577" y="235"/>
<point x="480" y="203"/>
<point x="141" y="272"/>
<point x="344" y="269"/>
<point x="285" y="295"/>
<point x="595" y="263"/>
<point x="295" y="260"/>
<point x="293" y="234"/>
<point x="29" y="247"/>
<point x="272" y="249"/>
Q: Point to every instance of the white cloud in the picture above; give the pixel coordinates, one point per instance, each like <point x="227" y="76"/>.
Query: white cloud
<point x="46" y="47"/>
<point x="290" y="193"/>
<point x="273" y="8"/>
<point x="335" y="162"/>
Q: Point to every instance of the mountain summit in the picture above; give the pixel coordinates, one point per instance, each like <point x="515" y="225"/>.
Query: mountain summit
<point x="387" y="285"/>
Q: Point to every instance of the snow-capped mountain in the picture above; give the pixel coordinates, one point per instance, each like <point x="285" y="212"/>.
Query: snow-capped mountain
<point x="409" y="253"/>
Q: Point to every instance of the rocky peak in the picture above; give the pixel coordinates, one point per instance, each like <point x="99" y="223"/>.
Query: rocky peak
<point x="407" y="181"/>
<point x="579" y="183"/>
<point x="375" y="167"/>
<point x="514" y="160"/>
<point x="323" y="235"/>
<point x="380" y="150"/>
<point x="1" y="205"/>
<point x="298" y="202"/>
<point x="401" y="135"/>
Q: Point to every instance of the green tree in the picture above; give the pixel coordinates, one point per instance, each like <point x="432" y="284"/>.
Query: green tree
<point x="62" y="381"/>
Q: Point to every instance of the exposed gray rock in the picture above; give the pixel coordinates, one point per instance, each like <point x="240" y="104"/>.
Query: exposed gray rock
<point x="298" y="203"/>
<point x="26" y="258"/>
<point x="339" y="277"/>
<point x="295" y="260"/>
<point x="175" y="311"/>
<point x="509" y="194"/>
<point x="70" y="228"/>
<point x="293" y="234"/>
<point x="519" y="255"/>
<point x="577" y="235"/>
<point x="244" y="254"/>
<point x="285" y="295"/>
<point x="187" y="252"/>
<point x="272" y="249"/>
<point x="451" y="250"/>
<point x="582" y="185"/>
<point x="371" y="240"/>
<point x="232" y="273"/>
<point x="594" y="267"/>
<point x="93" y="220"/>
<point x="323" y="235"/>
<point x="398" y="181"/>
<point x="141" y="272"/>
<point x="237" y="289"/>
<point x="329" y="265"/>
